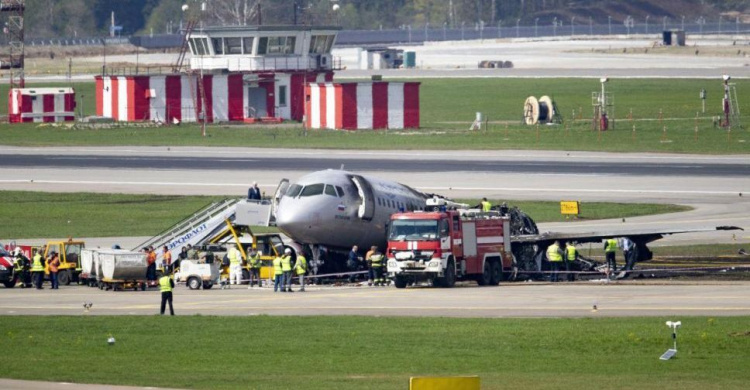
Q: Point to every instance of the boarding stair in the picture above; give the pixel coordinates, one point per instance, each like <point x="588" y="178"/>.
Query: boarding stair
<point x="196" y="229"/>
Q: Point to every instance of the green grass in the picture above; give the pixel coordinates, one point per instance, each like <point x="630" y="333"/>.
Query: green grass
<point x="545" y="211"/>
<point x="447" y="110"/>
<point x="263" y="352"/>
<point x="29" y="214"/>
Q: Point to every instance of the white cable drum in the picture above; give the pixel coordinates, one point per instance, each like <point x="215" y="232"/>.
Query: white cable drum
<point x="531" y="111"/>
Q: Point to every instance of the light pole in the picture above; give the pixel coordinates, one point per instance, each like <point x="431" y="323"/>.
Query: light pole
<point x="554" y="26"/>
<point x="719" y="24"/>
<point x="499" y="29"/>
<point x="462" y="30"/>
<point x="536" y="22"/>
<point x="647" y="16"/>
<point x="518" y="32"/>
<point x="445" y="28"/>
<point x="409" y="29"/>
<point x="664" y="23"/>
<point x="572" y="26"/>
<point x="481" y="30"/>
<point x="426" y="29"/>
<point x="609" y="24"/>
<point x="682" y="25"/>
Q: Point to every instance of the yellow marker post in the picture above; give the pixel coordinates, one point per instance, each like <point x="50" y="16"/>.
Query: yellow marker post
<point x="444" y="383"/>
<point x="570" y="207"/>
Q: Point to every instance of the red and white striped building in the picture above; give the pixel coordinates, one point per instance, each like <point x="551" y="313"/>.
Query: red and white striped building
<point x="351" y="106"/>
<point x="229" y="97"/>
<point x="41" y="105"/>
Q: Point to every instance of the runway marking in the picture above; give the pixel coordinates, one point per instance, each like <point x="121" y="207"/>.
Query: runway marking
<point x="244" y="185"/>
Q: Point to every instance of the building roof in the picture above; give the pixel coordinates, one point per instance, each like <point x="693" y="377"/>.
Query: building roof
<point x="253" y="28"/>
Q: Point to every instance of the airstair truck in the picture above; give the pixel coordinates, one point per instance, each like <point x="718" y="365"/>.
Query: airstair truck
<point x="448" y="244"/>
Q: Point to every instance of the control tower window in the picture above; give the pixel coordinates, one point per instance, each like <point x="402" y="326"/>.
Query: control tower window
<point x="276" y="45"/>
<point x="200" y="46"/>
<point x="321" y="44"/>
<point x="233" y="46"/>
<point x="247" y="44"/>
<point x="218" y="46"/>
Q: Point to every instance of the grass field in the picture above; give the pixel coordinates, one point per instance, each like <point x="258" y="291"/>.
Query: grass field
<point x="41" y="214"/>
<point x="261" y="352"/>
<point x="448" y="107"/>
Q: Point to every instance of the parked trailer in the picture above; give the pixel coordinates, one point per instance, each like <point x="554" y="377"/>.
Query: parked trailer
<point x="123" y="270"/>
<point x="197" y="275"/>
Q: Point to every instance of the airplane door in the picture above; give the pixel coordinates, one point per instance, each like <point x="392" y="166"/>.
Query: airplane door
<point x="367" y="206"/>
<point x="280" y="191"/>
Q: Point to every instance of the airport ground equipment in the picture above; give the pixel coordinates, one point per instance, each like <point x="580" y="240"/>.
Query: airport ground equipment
<point x="14" y="30"/>
<point x="672" y="351"/>
<point x="123" y="270"/>
<point x="603" y="104"/>
<point x="449" y="245"/>
<point x="729" y="105"/>
<point x="197" y="275"/>
<point x="540" y="111"/>
<point x="70" y="256"/>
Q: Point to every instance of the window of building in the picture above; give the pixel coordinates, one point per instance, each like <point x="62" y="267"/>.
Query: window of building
<point x="276" y="45"/>
<point x="233" y="46"/>
<point x="200" y="46"/>
<point x="218" y="45"/>
<point x="262" y="45"/>
<point x="321" y="44"/>
<point x="247" y="44"/>
<point x="282" y="95"/>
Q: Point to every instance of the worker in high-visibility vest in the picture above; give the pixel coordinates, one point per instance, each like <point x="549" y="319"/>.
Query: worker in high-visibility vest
<point x="278" y="274"/>
<point x="555" y="258"/>
<point x="610" y="250"/>
<point x="235" y="265"/>
<point x="376" y="263"/>
<point x="571" y="255"/>
<point x="286" y="268"/>
<point x="300" y="268"/>
<point x="37" y="269"/>
<point x="166" y="284"/>
<point x="486" y="205"/>
<point x="253" y="261"/>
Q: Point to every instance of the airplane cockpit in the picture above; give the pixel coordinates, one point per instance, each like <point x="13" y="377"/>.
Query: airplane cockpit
<point x="303" y="191"/>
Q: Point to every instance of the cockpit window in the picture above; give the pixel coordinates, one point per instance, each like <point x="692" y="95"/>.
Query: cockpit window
<point x="330" y="190"/>
<point x="312" y="190"/>
<point x="293" y="191"/>
<point x="340" y="191"/>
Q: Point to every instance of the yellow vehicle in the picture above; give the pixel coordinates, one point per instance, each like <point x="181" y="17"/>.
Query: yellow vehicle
<point x="70" y="259"/>
<point x="269" y="244"/>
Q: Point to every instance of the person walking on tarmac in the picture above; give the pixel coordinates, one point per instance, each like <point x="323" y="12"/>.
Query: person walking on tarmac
<point x="253" y="261"/>
<point x="235" y="265"/>
<point x="555" y="258"/>
<point x="286" y="268"/>
<point x="610" y="250"/>
<point x="300" y="268"/>
<point x="571" y="255"/>
<point x="278" y="275"/>
<point x="54" y="268"/>
<point x="37" y="269"/>
<point x="376" y="264"/>
<point x="166" y="284"/>
<point x="21" y="268"/>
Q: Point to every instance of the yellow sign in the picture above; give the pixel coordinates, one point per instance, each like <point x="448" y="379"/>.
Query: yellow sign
<point x="570" y="207"/>
<point x="444" y="383"/>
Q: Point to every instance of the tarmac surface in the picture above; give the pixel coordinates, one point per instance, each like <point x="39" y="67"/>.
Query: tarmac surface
<point x="512" y="299"/>
<point x="715" y="186"/>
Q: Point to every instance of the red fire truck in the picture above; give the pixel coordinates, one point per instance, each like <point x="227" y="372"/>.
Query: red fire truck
<point x="448" y="245"/>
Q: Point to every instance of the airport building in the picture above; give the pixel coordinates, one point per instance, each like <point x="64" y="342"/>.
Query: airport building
<point x="250" y="74"/>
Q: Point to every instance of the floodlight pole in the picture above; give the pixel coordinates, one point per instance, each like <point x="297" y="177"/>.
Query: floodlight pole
<point x="536" y="22"/>
<point x="647" y="16"/>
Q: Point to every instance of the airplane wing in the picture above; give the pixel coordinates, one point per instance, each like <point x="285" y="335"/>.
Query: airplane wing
<point x="644" y="236"/>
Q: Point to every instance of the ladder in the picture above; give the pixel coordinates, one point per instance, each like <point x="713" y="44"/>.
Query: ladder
<point x="195" y="229"/>
<point x="177" y="66"/>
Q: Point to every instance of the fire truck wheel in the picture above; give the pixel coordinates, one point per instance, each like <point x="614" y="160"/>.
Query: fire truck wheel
<point x="63" y="277"/>
<point x="497" y="273"/>
<point x="486" y="277"/>
<point x="450" y="275"/>
<point x="399" y="281"/>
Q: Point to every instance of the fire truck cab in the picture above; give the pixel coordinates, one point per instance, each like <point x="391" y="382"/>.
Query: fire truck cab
<point x="444" y="246"/>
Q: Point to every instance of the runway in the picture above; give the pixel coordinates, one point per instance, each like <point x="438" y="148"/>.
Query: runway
<point x="716" y="186"/>
<point x="507" y="300"/>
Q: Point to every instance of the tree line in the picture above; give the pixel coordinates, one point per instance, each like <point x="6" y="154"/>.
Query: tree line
<point x="88" y="18"/>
